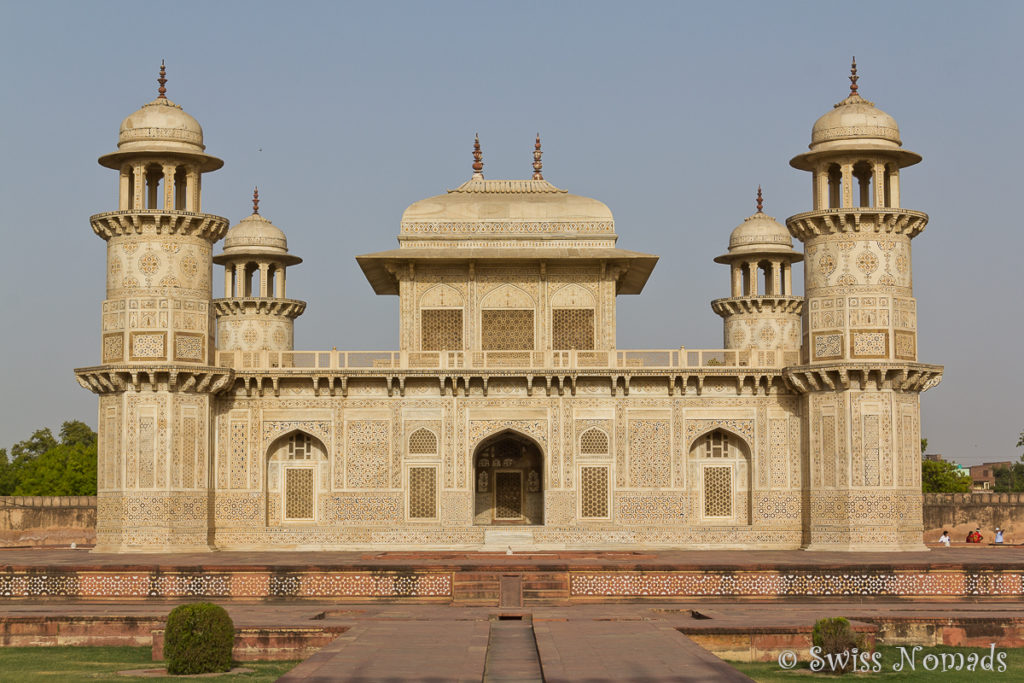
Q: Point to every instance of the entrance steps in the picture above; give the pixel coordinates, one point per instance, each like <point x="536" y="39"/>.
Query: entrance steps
<point x="503" y="539"/>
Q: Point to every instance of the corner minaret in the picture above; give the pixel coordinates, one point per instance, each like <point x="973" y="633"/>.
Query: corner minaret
<point x="762" y="312"/>
<point x="254" y="314"/>
<point x="156" y="377"/>
<point x="860" y="378"/>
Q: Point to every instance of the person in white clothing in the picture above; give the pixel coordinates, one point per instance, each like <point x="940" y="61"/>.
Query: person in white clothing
<point x="944" y="539"/>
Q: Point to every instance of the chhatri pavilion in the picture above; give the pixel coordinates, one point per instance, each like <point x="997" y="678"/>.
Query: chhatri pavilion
<point x="507" y="416"/>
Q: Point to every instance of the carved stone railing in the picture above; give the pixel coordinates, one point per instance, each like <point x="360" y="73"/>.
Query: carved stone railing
<point x="648" y="359"/>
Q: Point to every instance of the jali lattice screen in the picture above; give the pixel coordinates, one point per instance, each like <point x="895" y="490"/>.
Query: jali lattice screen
<point x="718" y="492"/>
<point x="572" y="328"/>
<point x="441" y="329"/>
<point x="507" y="329"/>
<point x="298" y="492"/>
<point x="422" y="492"/>
<point x="594" y="492"/>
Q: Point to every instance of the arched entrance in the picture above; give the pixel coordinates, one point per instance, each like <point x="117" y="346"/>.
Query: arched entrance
<point x="297" y="477"/>
<point x="720" y="468"/>
<point x="508" y="475"/>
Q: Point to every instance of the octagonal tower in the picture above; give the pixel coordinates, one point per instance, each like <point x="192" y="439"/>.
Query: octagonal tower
<point x="254" y="314"/>
<point x="156" y="379"/>
<point x="762" y="313"/>
<point x="860" y="379"/>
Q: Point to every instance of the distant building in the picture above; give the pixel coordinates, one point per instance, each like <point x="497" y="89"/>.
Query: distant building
<point x="983" y="476"/>
<point x="933" y="457"/>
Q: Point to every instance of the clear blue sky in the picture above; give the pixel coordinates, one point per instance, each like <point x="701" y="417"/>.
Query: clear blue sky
<point x="671" y="113"/>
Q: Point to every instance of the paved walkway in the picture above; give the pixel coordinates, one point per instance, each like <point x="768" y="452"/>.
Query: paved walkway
<point x="625" y="651"/>
<point x="400" y="651"/>
<point x="504" y="651"/>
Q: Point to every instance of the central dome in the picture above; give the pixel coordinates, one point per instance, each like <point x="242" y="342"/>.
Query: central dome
<point x="517" y="202"/>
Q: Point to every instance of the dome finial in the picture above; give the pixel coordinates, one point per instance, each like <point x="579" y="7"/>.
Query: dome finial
<point x="853" y="77"/>
<point x="256" y="200"/>
<point x="537" y="165"/>
<point x="478" y="156"/>
<point x="760" y="200"/>
<point x="162" y="81"/>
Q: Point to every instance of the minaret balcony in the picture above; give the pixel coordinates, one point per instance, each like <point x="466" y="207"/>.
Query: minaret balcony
<point x="862" y="219"/>
<point x="768" y="303"/>
<point x="270" y="306"/>
<point x="138" y="221"/>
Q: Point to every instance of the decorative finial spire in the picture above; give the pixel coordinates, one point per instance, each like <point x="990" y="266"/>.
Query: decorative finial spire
<point x="537" y="166"/>
<point x="853" y="77"/>
<point x="760" y="200"/>
<point x="256" y="200"/>
<point x="162" y="81"/>
<point x="478" y="159"/>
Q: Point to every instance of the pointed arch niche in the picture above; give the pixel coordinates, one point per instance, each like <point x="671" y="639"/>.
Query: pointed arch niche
<point x="508" y="476"/>
<point x="719" y="467"/>
<point x="442" y="319"/>
<point x="297" y="478"/>
<point x="573" y="316"/>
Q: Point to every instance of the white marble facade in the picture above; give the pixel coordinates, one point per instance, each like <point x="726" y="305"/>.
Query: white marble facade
<point x="506" y="415"/>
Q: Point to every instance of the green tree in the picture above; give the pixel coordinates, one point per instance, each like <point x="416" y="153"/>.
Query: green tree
<point x="943" y="477"/>
<point x="924" y="446"/>
<point x="42" y="466"/>
<point x="1009" y="479"/>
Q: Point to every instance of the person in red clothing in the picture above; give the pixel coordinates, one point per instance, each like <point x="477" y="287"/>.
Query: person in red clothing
<point x="975" y="536"/>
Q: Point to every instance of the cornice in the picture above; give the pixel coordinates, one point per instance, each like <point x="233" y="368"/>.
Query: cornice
<point x="804" y="226"/>
<point x="135" y="222"/>
<point x="742" y="381"/>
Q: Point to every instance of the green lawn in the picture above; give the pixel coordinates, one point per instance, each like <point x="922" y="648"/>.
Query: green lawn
<point x="771" y="672"/>
<point x="76" y="664"/>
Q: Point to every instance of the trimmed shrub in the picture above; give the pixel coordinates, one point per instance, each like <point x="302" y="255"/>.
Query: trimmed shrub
<point x="198" y="639"/>
<point x="836" y="637"/>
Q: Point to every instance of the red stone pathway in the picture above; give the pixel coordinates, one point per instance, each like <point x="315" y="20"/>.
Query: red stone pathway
<point x="625" y="651"/>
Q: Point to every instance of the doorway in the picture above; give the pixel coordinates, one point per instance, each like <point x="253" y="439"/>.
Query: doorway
<point x="508" y="476"/>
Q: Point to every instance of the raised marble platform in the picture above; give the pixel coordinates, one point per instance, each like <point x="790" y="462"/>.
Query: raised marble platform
<point x="519" y="579"/>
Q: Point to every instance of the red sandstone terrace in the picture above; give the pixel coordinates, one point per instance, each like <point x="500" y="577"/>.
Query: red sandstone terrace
<point x="981" y="573"/>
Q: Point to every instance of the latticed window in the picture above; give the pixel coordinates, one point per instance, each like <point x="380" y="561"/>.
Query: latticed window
<point x="594" y="442"/>
<point x="298" y="493"/>
<point x="300" y="447"/>
<point x="716" y="445"/>
<point x="422" y="492"/>
<point x="572" y="328"/>
<point x="718" y="492"/>
<point x="594" y="492"/>
<point x="507" y="329"/>
<point x="508" y="495"/>
<point x="441" y="329"/>
<point x="422" y="442"/>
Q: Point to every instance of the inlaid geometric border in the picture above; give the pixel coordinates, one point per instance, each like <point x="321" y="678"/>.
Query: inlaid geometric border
<point x="136" y="584"/>
<point x="630" y="586"/>
<point x="769" y="584"/>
